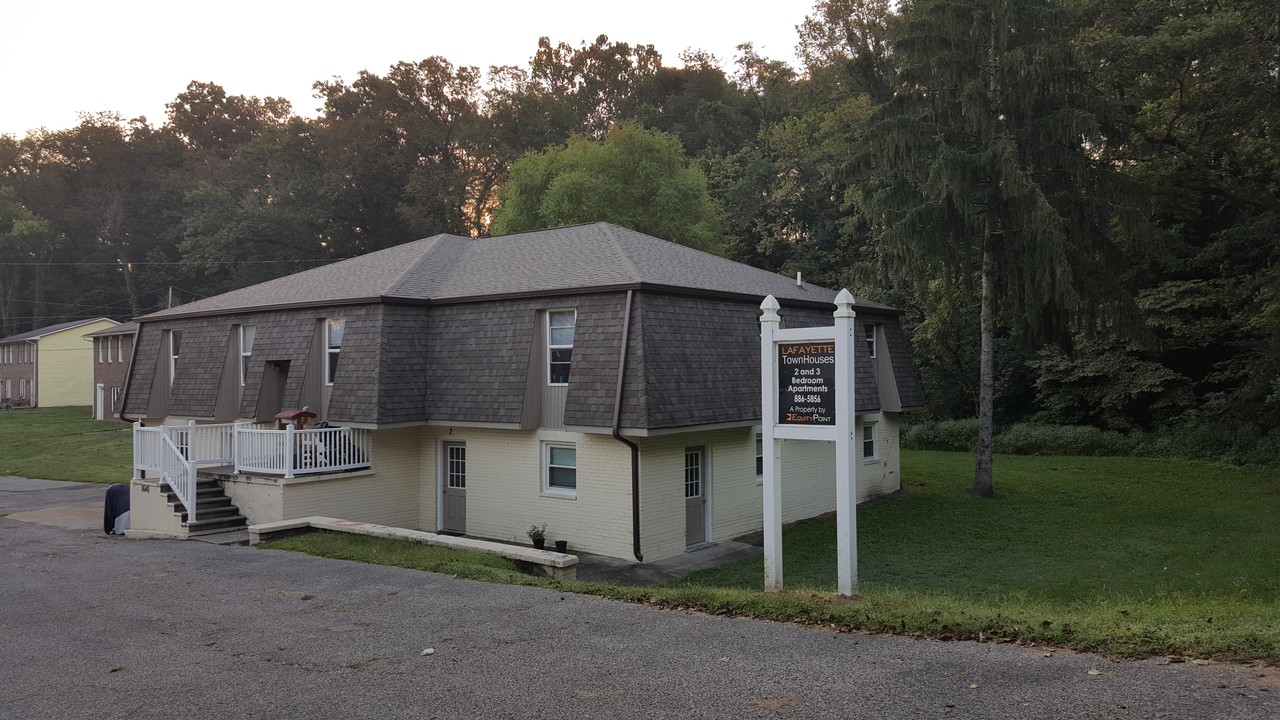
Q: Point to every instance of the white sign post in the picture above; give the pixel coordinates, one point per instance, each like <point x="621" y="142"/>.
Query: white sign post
<point x="806" y="393"/>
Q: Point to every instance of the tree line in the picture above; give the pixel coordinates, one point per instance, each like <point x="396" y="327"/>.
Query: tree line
<point x="1076" y="202"/>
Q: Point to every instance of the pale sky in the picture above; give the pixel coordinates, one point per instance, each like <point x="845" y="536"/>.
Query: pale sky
<point x="59" y="58"/>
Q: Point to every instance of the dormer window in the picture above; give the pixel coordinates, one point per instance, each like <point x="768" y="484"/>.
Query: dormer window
<point x="247" y="334"/>
<point x="560" y="325"/>
<point x="869" y="332"/>
<point x="175" y="347"/>
<point x="334" y="328"/>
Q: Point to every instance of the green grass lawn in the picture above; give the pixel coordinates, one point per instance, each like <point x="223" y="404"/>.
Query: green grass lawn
<point x="1123" y="556"/>
<point x="63" y="443"/>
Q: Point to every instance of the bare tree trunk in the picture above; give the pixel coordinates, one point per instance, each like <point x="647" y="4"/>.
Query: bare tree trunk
<point x="982" y="484"/>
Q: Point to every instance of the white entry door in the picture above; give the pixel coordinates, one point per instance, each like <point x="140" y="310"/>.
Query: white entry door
<point x="695" y="496"/>
<point x="455" y="487"/>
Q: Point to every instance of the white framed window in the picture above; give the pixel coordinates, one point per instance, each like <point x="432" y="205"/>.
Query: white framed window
<point x="560" y="468"/>
<point x="759" y="459"/>
<point x="115" y="400"/>
<point x="247" y="334"/>
<point x="693" y="473"/>
<point x="334" y="329"/>
<point x="869" y="333"/>
<point x="175" y="349"/>
<point x="101" y="343"/>
<point x="560" y="325"/>
<point x="22" y="389"/>
<point x="120" y="349"/>
<point x="869" y="441"/>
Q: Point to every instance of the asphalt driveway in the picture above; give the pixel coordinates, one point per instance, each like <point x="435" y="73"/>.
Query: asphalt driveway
<point x="100" y="627"/>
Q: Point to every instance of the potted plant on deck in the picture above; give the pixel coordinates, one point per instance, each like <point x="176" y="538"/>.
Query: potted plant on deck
<point x="538" y="534"/>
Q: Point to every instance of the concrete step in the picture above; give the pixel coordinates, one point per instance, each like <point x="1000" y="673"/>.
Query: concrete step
<point x="212" y="513"/>
<point x="234" y="536"/>
<point x="224" y="523"/>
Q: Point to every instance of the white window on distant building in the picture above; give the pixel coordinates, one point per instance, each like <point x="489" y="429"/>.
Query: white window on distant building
<point x="334" y="329"/>
<point x="115" y="400"/>
<point x="247" y="334"/>
<point x="102" y="349"/>
<point x="560" y="468"/>
<point x="120" y="349"/>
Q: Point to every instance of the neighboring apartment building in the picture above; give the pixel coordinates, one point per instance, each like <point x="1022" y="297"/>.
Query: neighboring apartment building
<point x="49" y="367"/>
<point x="598" y="380"/>
<point x="112" y="353"/>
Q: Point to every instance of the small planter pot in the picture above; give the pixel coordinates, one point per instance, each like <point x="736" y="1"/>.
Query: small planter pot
<point x="540" y="543"/>
<point x="562" y="546"/>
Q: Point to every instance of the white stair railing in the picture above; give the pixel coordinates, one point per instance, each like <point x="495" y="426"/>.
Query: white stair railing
<point x="180" y="473"/>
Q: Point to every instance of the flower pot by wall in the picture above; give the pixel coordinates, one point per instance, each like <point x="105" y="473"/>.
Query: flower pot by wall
<point x="562" y="545"/>
<point x="539" y="543"/>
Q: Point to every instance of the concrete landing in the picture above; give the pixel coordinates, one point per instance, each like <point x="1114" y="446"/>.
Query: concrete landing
<point x="595" y="568"/>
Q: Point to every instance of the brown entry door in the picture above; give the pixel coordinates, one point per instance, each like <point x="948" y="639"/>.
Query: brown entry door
<point x="695" y="496"/>
<point x="455" y="487"/>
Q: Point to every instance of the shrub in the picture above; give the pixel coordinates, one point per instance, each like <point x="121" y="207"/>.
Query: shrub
<point x="954" y="435"/>
<point x="1037" y="439"/>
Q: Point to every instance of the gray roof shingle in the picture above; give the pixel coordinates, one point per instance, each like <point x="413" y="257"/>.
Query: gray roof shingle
<point x="452" y="268"/>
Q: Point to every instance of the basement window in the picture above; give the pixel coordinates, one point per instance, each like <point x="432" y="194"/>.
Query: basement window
<point x="560" y="461"/>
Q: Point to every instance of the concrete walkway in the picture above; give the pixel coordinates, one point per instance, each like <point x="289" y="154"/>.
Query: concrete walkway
<point x="596" y="568"/>
<point x="70" y="505"/>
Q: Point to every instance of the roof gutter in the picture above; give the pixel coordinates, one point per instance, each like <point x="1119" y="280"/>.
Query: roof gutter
<point x="617" y="434"/>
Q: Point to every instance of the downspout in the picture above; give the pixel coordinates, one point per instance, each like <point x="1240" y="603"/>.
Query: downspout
<point x="34" y="399"/>
<point x="617" y="435"/>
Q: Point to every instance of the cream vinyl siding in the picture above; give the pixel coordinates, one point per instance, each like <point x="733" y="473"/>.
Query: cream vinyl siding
<point x="64" y="371"/>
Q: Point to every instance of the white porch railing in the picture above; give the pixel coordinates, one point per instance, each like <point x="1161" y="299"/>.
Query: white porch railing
<point x="291" y="451"/>
<point x="251" y="449"/>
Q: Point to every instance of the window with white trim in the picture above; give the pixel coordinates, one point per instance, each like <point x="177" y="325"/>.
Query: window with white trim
<point x="334" y="329"/>
<point x="560" y="325"/>
<point x="759" y="458"/>
<point x="102" y="350"/>
<point x="869" y="441"/>
<point x="175" y="348"/>
<point x="247" y="334"/>
<point x="22" y="389"/>
<point x="869" y="334"/>
<point x="120" y="349"/>
<point x="115" y="400"/>
<point x="560" y="468"/>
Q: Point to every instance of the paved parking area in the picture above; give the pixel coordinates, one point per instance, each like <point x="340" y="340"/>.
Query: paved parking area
<point x="101" y="627"/>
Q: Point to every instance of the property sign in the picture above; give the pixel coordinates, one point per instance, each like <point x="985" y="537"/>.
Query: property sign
<point x="807" y="383"/>
<point x="806" y="394"/>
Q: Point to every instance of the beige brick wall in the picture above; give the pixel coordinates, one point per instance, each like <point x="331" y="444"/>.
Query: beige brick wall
<point x="388" y="496"/>
<point x="505" y="495"/>
<point x="734" y="495"/>
<point x="65" y="369"/>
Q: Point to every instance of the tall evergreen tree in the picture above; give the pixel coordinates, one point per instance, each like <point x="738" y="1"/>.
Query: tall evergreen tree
<point x="987" y="169"/>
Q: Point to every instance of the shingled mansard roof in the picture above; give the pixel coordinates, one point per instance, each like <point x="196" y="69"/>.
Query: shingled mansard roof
<point x="51" y="329"/>
<point x="451" y="268"/>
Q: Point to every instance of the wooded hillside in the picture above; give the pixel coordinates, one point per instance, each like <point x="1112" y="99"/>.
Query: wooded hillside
<point x="1116" y="164"/>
